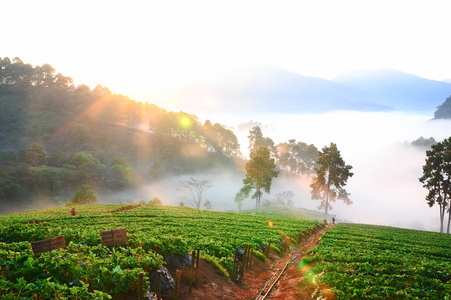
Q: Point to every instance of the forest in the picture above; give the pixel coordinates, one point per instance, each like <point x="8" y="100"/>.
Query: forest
<point x="55" y="136"/>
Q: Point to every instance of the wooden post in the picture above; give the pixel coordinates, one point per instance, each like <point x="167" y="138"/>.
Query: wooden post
<point x="243" y="264"/>
<point x="250" y="258"/>
<point x="140" y="287"/>
<point x="158" y="284"/>
<point x="197" y="265"/>
<point x="234" y="269"/>
<point x="245" y="256"/>
<point x="193" y="257"/>
<point x="177" y="284"/>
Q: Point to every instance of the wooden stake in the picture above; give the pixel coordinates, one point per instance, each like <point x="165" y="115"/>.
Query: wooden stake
<point x="197" y="265"/>
<point x="158" y="284"/>
<point x="177" y="284"/>
<point x="250" y="258"/>
<point x="193" y="257"/>
<point x="140" y="287"/>
<point x="245" y="256"/>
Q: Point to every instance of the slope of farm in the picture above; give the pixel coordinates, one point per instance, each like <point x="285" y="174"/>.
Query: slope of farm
<point x="365" y="261"/>
<point x="86" y="270"/>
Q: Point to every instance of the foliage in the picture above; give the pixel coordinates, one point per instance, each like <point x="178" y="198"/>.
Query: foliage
<point x="444" y="110"/>
<point x="121" y="169"/>
<point x="83" y="195"/>
<point x="385" y="263"/>
<point x="239" y="198"/>
<point x="87" y="270"/>
<point x="259" y="174"/>
<point x="297" y="157"/>
<point x="156" y="170"/>
<point x="437" y="178"/>
<point x="256" y="140"/>
<point x="155" y="201"/>
<point x="84" y="129"/>
<point x="35" y="155"/>
<point x="208" y="205"/>
<point x="331" y="177"/>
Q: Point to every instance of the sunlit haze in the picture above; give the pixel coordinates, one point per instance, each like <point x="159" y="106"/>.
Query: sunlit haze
<point x="141" y="46"/>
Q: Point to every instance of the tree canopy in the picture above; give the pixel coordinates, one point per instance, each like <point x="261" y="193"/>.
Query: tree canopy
<point x="260" y="171"/>
<point x="332" y="175"/>
<point x="437" y="178"/>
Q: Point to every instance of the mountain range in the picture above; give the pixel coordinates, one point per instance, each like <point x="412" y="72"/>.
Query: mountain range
<point x="272" y="89"/>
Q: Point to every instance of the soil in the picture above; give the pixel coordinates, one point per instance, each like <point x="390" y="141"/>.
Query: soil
<point x="291" y="285"/>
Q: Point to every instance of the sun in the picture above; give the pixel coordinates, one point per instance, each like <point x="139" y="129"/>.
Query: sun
<point x="185" y="122"/>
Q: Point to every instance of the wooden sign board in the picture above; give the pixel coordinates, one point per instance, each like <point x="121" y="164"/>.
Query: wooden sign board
<point x="48" y="244"/>
<point x="114" y="237"/>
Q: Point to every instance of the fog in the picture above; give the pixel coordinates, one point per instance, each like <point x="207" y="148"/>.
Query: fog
<point x="385" y="189"/>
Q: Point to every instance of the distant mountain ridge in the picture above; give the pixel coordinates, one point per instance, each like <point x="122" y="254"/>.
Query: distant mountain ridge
<point x="276" y="90"/>
<point x="399" y="90"/>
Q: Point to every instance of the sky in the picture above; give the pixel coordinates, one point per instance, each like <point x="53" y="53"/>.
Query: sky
<point x="144" y="46"/>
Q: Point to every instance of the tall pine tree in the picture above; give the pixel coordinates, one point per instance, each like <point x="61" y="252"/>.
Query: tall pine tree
<point x="331" y="176"/>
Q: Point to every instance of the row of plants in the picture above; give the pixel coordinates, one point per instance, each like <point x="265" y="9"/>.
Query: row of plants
<point x="366" y="261"/>
<point x="86" y="270"/>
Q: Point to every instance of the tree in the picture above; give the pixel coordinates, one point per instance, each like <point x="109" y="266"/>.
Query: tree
<point x="194" y="189"/>
<point x="36" y="155"/>
<point x="331" y="176"/>
<point x="297" y="157"/>
<point x="121" y="169"/>
<point x="155" y="201"/>
<point x="156" y="170"/>
<point x="256" y="140"/>
<point x="259" y="174"/>
<point x="285" y="198"/>
<point x="239" y="199"/>
<point x="444" y="110"/>
<point x="83" y="195"/>
<point x="437" y="178"/>
<point x="208" y="205"/>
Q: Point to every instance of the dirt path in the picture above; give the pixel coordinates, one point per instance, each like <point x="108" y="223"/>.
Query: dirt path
<point x="214" y="286"/>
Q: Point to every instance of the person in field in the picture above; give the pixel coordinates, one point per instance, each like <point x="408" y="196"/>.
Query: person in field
<point x="72" y="212"/>
<point x="333" y="220"/>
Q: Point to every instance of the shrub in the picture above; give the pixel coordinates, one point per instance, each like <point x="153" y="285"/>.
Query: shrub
<point x="155" y="201"/>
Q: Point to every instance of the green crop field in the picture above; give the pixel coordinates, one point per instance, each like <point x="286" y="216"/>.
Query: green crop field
<point x="375" y="262"/>
<point x="352" y="261"/>
<point x="85" y="269"/>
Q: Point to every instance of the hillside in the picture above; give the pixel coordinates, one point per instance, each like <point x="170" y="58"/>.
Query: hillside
<point x="55" y="136"/>
<point x="385" y="262"/>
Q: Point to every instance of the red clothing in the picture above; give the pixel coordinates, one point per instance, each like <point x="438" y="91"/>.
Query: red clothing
<point x="72" y="212"/>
